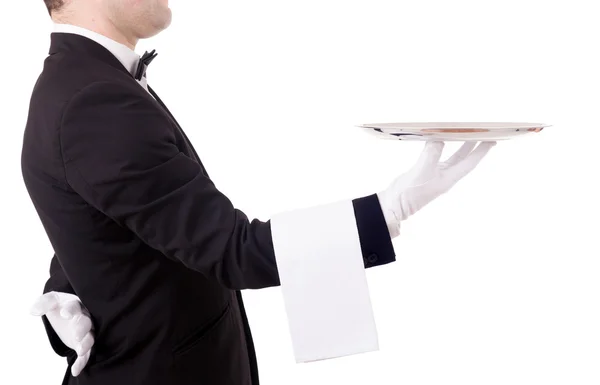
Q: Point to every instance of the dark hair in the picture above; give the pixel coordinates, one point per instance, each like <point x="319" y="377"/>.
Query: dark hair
<point x="54" y="5"/>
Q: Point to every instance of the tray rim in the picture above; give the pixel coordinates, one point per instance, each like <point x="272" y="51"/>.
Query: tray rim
<point x="456" y="125"/>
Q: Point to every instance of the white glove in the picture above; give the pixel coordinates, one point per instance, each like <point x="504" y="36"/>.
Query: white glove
<point x="427" y="179"/>
<point x="72" y="323"/>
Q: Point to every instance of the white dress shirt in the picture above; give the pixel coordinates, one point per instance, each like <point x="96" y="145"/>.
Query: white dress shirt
<point x="128" y="58"/>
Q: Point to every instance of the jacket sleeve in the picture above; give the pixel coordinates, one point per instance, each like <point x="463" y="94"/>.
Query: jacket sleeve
<point x="120" y="154"/>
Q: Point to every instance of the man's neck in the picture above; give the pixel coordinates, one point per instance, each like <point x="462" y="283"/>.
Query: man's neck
<point x="103" y="27"/>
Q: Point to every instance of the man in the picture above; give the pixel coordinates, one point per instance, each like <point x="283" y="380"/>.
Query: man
<point x="150" y="256"/>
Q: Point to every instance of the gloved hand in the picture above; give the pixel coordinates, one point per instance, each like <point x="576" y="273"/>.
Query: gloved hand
<point x="427" y="179"/>
<point x="72" y="323"/>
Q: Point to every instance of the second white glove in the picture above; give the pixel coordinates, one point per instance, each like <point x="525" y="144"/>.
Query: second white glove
<point x="72" y="323"/>
<point x="428" y="179"/>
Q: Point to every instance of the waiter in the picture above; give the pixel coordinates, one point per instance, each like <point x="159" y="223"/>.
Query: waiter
<point x="150" y="256"/>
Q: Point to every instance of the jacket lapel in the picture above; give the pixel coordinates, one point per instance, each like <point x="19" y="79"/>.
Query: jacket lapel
<point x="160" y="102"/>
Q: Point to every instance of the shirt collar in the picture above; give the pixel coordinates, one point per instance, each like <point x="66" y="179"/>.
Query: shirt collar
<point x="128" y="58"/>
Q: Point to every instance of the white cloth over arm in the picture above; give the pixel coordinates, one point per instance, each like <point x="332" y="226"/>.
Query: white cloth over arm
<point x="323" y="281"/>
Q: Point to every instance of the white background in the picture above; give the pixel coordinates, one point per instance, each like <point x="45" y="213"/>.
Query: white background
<point x="497" y="282"/>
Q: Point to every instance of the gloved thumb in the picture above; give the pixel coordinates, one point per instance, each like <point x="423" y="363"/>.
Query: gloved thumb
<point x="80" y="363"/>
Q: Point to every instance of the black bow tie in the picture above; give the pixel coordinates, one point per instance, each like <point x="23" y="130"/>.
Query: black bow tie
<point x="143" y="64"/>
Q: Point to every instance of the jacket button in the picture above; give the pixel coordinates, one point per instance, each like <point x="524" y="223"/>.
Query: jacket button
<point x="372" y="258"/>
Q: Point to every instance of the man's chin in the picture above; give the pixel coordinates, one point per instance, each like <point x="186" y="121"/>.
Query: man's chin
<point x="158" y="26"/>
<point x="167" y="16"/>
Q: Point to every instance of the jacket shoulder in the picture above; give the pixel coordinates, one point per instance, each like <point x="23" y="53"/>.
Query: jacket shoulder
<point x="64" y="75"/>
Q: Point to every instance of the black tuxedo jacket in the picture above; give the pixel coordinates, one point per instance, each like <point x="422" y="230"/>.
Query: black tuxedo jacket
<point x="140" y="232"/>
